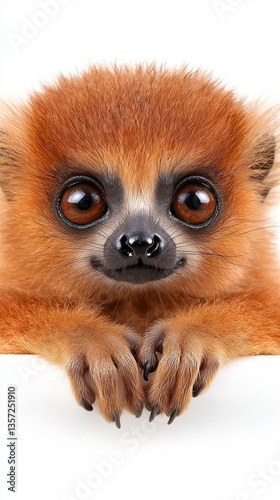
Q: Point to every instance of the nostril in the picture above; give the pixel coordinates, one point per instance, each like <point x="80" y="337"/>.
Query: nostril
<point x="156" y="247"/>
<point x="123" y="247"/>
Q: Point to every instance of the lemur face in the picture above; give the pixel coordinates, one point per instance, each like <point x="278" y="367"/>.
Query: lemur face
<point x="140" y="228"/>
<point x="140" y="178"/>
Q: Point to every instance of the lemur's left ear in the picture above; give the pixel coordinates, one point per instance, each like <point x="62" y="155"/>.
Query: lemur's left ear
<point x="264" y="160"/>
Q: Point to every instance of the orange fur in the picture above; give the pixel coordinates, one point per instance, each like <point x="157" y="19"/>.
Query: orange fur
<point x="137" y="124"/>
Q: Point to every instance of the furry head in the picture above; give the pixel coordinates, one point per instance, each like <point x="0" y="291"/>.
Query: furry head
<point x="134" y="179"/>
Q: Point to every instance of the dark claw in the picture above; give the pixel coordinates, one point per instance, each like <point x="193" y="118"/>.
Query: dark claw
<point x="139" y="412"/>
<point x="116" y="419"/>
<point x="155" y="411"/>
<point x="149" y="368"/>
<point x="197" y="389"/>
<point x="86" y="405"/>
<point x="172" y="417"/>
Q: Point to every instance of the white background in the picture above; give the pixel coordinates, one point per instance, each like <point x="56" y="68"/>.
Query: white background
<point x="236" y="39"/>
<point x="227" y="446"/>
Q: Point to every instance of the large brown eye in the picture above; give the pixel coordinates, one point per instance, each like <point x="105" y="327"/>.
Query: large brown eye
<point x="82" y="204"/>
<point x="194" y="203"/>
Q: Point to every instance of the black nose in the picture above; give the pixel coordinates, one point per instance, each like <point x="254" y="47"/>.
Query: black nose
<point x="140" y="245"/>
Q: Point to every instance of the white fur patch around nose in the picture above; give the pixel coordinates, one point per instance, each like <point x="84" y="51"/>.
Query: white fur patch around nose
<point x="139" y="202"/>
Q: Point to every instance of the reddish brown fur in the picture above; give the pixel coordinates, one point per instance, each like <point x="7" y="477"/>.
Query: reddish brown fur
<point x="139" y="123"/>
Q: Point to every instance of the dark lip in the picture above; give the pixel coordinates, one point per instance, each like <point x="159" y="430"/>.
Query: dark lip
<point x="137" y="273"/>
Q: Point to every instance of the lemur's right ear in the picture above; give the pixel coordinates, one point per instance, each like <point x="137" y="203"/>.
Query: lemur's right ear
<point x="11" y="144"/>
<point x="9" y="161"/>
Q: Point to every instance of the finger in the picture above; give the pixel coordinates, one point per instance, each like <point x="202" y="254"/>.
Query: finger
<point x="181" y="396"/>
<point x="208" y="369"/>
<point x="148" y="359"/>
<point x="129" y="373"/>
<point x="82" y="389"/>
<point x="135" y="343"/>
<point x="165" y="379"/>
<point x="106" y="379"/>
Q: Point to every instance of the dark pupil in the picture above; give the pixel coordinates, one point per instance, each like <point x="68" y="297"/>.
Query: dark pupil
<point x="85" y="203"/>
<point x="193" y="202"/>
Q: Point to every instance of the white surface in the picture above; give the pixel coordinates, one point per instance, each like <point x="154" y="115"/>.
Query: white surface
<point x="225" y="447"/>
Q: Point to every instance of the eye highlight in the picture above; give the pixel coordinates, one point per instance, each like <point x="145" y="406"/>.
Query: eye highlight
<point x="81" y="203"/>
<point x="195" y="202"/>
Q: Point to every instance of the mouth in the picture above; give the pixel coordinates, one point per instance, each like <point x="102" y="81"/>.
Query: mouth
<point x="137" y="273"/>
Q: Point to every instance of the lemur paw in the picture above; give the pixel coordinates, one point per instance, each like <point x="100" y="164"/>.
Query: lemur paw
<point x="188" y="364"/>
<point x="108" y="372"/>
